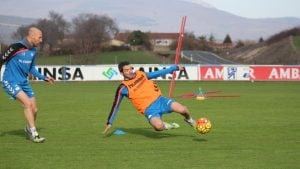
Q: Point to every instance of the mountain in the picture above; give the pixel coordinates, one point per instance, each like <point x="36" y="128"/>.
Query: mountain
<point x="9" y="24"/>
<point x="165" y="16"/>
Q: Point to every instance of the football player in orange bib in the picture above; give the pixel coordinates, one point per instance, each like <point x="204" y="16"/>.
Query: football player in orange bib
<point x="147" y="98"/>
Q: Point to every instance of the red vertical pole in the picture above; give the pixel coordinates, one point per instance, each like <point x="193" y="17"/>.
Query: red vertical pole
<point x="178" y="53"/>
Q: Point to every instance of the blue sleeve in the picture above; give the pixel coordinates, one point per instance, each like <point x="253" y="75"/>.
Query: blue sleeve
<point x="155" y="74"/>
<point x="120" y="93"/>
<point x="34" y="71"/>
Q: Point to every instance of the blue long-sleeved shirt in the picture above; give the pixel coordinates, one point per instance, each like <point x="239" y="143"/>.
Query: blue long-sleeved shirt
<point x="23" y="63"/>
<point x="123" y="91"/>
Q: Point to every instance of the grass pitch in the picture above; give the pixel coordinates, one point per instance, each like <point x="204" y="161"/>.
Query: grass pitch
<point x="259" y="129"/>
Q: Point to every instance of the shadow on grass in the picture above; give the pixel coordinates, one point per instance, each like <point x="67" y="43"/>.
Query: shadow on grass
<point x="147" y="132"/>
<point x="200" y="139"/>
<point x="19" y="133"/>
<point x="150" y="133"/>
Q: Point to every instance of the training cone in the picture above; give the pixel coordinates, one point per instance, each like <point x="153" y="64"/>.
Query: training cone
<point x="200" y="95"/>
<point x="119" y="132"/>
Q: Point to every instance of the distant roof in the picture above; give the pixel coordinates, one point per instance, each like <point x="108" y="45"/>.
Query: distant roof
<point x="163" y="35"/>
<point x="122" y="36"/>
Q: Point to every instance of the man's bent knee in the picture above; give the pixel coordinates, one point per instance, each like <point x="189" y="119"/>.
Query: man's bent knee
<point x="159" y="128"/>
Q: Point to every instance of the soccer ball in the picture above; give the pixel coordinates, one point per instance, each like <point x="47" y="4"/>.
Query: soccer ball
<point x="203" y="125"/>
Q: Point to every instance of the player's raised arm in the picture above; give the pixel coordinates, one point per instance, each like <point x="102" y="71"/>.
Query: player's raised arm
<point x="155" y="74"/>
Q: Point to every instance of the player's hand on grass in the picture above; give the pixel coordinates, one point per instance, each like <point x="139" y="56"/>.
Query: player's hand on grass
<point x="49" y="80"/>
<point x="107" y="128"/>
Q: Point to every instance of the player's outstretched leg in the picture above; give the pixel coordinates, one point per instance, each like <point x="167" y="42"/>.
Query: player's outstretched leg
<point x="191" y="122"/>
<point x="169" y="126"/>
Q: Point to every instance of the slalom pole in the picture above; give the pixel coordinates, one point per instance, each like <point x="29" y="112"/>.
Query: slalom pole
<point x="178" y="53"/>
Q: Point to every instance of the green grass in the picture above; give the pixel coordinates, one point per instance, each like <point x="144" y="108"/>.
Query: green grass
<point x="259" y="129"/>
<point x="137" y="57"/>
<point x="297" y="42"/>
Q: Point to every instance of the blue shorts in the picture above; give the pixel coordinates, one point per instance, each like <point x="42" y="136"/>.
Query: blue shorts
<point x="162" y="105"/>
<point x="12" y="88"/>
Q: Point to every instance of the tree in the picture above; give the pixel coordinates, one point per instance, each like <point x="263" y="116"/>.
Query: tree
<point x="139" y="38"/>
<point x="212" y="38"/>
<point x="202" y="38"/>
<point x="227" y="39"/>
<point x="54" y="30"/>
<point x="239" y="44"/>
<point x="203" y="43"/>
<point x="21" y="32"/>
<point x="261" y="39"/>
<point x="283" y="34"/>
<point x="91" y="30"/>
<point x="0" y="48"/>
<point x="191" y="42"/>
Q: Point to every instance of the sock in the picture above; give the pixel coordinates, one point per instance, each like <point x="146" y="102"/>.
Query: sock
<point x="190" y="120"/>
<point x="33" y="131"/>
<point x="27" y="128"/>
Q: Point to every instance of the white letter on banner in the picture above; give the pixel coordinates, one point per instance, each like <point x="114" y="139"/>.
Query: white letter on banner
<point x="273" y="74"/>
<point x="284" y="73"/>
<point x="209" y="74"/>
<point x="295" y="73"/>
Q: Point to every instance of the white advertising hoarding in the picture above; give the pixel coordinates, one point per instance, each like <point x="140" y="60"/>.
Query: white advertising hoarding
<point x="110" y="72"/>
<point x="236" y="72"/>
<point x="223" y="72"/>
<point x="191" y="72"/>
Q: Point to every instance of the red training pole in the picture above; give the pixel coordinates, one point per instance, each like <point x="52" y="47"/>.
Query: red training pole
<point x="178" y="52"/>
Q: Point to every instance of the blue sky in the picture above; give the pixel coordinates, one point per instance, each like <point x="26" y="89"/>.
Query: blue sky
<point x="258" y="8"/>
